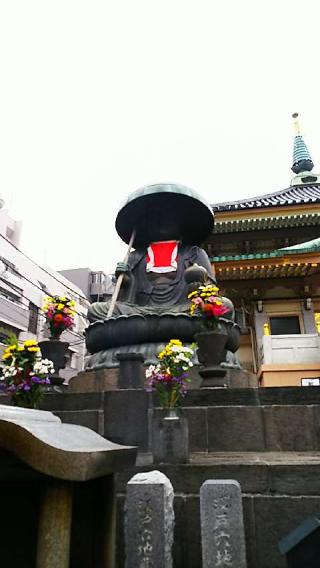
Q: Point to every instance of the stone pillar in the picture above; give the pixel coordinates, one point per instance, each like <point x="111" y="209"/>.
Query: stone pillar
<point x="308" y="319"/>
<point x="131" y="371"/>
<point x="149" y="521"/>
<point x="53" y="549"/>
<point x="222" y="528"/>
<point x="259" y="320"/>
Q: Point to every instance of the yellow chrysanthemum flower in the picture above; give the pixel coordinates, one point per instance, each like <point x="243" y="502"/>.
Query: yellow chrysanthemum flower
<point x="33" y="349"/>
<point x="175" y="342"/>
<point x="10" y="348"/>
<point x="30" y="343"/>
<point x="6" y="356"/>
<point x="192" y="294"/>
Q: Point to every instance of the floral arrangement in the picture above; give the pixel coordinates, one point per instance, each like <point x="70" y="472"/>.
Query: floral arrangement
<point x="25" y="373"/>
<point x="206" y="303"/>
<point x="59" y="313"/>
<point x="170" y="376"/>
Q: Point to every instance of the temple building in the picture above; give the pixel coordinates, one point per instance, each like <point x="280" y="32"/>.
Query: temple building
<point x="266" y="254"/>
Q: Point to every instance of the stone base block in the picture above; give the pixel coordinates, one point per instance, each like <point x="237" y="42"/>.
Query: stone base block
<point x="94" y="381"/>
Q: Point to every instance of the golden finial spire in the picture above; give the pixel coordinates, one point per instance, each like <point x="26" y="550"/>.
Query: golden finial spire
<point x="296" y="124"/>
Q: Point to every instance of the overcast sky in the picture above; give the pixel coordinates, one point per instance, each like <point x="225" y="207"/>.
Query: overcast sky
<point x="99" y="98"/>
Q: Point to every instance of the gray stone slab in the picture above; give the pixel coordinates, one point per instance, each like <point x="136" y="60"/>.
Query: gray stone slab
<point x="222" y="526"/>
<point x="72" y="401"/>
<point x="250" y="530"/>
<point x="65" y="451"/>
<point x="316" y="420"/>
<point x="198" y="429"/>
<point x="187" y="478"/>
<point x="237" y="428"/>
<point x="93" y="419"/>
<point x="289" y="428"/>
<point x="149" y="521"/>
<point x="126" y="417"/>
<point x="300" y="479"/>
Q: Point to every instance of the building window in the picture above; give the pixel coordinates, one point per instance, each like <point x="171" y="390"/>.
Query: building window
<point x="33" y="318"/>
<point x="285" y="325"/>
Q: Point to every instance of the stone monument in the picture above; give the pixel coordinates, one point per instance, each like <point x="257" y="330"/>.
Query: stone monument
<point x="222" y="527"/>
<point x="149" y="521"/>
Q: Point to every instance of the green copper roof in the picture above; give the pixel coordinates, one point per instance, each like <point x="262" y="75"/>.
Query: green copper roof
<point x="309" y="246"/>
<point x="257" y="256"/>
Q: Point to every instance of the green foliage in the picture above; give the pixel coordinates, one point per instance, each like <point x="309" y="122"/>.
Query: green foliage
<point x="10" y="337"/>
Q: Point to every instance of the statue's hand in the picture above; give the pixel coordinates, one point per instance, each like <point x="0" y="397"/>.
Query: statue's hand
<point x="195" y="274"/>
<point x="122" y="268"/>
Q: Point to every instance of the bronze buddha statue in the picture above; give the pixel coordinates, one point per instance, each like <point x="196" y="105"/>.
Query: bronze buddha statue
<point x="169" y="224"/>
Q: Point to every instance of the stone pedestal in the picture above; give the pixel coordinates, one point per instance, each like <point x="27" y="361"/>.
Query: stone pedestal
<point x="214" y="376"/>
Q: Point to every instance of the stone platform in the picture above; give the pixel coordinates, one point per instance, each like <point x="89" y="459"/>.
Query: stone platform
<point x="268" y="439"/>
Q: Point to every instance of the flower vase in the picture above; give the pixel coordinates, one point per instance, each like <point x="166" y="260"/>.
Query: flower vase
<point x="24" y="403"/>
<point x="211" y="352"/>
<point x="55" y="350"/>
<point x="170" y="436"/>
<point x="171" y="413"/>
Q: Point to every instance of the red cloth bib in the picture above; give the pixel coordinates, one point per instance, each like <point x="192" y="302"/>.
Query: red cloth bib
<point x="162" y="257"/>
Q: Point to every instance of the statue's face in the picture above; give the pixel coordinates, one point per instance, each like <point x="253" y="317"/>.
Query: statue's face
<point x="163" y="224"/>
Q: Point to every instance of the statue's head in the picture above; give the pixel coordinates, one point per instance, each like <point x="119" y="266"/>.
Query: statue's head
<point x="164" y="212"/>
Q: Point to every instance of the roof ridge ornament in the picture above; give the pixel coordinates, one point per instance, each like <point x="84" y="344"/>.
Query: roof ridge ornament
<point x="302" y="161"/>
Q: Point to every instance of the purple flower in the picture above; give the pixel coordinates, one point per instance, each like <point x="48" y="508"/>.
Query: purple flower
<point x="36" y="380"/>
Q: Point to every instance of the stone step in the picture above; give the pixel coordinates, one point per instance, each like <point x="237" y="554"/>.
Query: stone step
<point x="279" y="419"/>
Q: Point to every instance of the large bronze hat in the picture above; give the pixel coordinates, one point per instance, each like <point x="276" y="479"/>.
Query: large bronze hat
<point x="192" y="214"/>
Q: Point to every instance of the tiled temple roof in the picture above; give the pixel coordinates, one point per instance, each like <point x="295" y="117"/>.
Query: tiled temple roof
<point x="295" y="195"/>
<point x="263" y="223"/>
<point x="268" y="270"/>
